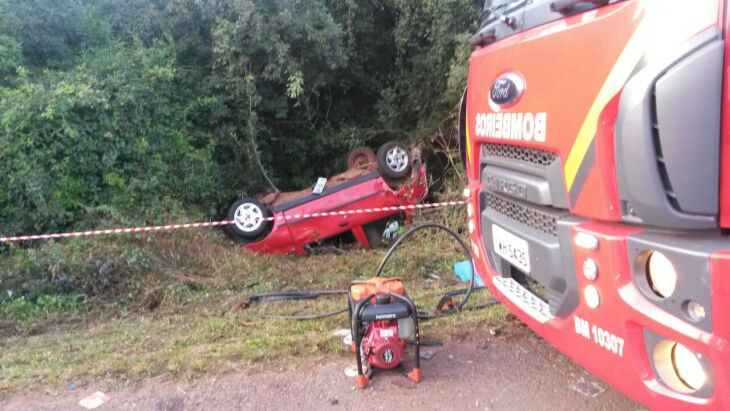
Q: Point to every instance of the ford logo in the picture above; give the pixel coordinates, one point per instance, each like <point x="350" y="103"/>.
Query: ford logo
<point x="506" y="90"/>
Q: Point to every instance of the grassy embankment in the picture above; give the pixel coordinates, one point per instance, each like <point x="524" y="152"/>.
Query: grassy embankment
<point x="178" y="315"/>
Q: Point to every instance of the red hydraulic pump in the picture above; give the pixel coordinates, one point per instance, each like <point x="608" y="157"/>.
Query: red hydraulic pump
<point x="383" y="321"/>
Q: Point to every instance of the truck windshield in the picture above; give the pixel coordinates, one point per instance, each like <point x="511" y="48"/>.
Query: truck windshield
<point x="502" y="18"/>
<point x="495" y="8"/>
<point x="488" y="4"/>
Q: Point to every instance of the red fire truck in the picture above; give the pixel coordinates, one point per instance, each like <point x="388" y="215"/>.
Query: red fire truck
<point x="596" y="136"/>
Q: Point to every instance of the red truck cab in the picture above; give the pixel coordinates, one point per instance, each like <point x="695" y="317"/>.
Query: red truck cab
<point x="595" y="136"/>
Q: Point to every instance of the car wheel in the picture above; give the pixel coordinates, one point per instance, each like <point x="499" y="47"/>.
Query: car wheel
<point x="249" y="217"/>
<point x="360" y="157"/>
<point x="393" y="160"/>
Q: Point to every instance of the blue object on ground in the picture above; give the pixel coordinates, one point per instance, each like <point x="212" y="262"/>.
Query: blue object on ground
<point x="391" y="231"/>
<point x="462" y="269"/>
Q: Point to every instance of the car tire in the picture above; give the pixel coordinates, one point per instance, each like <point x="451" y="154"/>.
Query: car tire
<point x="394" y="161"/>
<point x="360" y="157"/>
<point x="249" y="216"/>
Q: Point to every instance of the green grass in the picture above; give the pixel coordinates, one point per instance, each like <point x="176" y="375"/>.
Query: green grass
<point x="22" y="309"/>
<point x="195" y="327"/>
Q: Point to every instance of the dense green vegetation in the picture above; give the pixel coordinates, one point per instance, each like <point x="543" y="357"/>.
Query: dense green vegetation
<point x="121" y="112"/>
<point x="115" y="113"/>
<point x="118" y="112"/>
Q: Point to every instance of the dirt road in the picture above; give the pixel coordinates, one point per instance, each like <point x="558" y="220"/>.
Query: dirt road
<point x="512" y="371"/>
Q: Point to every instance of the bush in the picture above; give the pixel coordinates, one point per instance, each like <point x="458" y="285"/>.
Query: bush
<point x="112" y="138"/>
<point x="23" y="309"/>
<point x="95" y="269"/>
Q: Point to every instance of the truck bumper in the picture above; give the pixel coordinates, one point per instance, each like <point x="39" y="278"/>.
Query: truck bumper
<point x="615" y="326"/>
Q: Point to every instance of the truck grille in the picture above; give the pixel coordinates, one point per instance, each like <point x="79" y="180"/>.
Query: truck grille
<point x="661" y="163"/>
<point x="528" y="216"/>
<point x="523" y="154"/>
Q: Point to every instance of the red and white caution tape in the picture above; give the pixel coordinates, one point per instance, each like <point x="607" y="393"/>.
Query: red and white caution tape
<point x="114" y="231"/>
<point x="135" y="230"/>
<point x="365" y="211"/>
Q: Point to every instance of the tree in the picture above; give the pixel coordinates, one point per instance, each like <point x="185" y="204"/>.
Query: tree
<point x="113" y="136"/>
<point x="427" y="36"/>
<point x="126" y="111"/>
<point x="50" y="31"/>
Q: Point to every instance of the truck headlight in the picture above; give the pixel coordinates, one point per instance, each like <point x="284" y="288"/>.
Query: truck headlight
<point x="680" y="368"/>
<point x="661" y="274"/>
<point x="688" y="366"/>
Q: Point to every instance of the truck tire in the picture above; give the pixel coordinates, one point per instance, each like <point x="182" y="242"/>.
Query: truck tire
<point x="249" y="216"/>
<point x="394" y="160"/>
<point x="360" y="157"/>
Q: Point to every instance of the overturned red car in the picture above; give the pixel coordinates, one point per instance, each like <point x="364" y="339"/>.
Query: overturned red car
<point x="281" y="223"/>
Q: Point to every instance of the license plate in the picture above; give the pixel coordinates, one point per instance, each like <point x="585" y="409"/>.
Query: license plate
<point x="511" y="248"/>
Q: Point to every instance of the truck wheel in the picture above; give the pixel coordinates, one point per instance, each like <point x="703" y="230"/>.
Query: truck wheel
<point x="360" y="157"/>
<point x="249" y="216"/>
<point x="393" y="160"/>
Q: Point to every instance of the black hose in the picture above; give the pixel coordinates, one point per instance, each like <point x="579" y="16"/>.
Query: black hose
<point x="309" y="295"/>
<point x="294" y="295"/>
<point x="301" y="317"/>
<point x="467" y="253"/>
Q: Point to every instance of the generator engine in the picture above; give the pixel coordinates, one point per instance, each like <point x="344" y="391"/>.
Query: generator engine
<point x="383" y="321"/>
